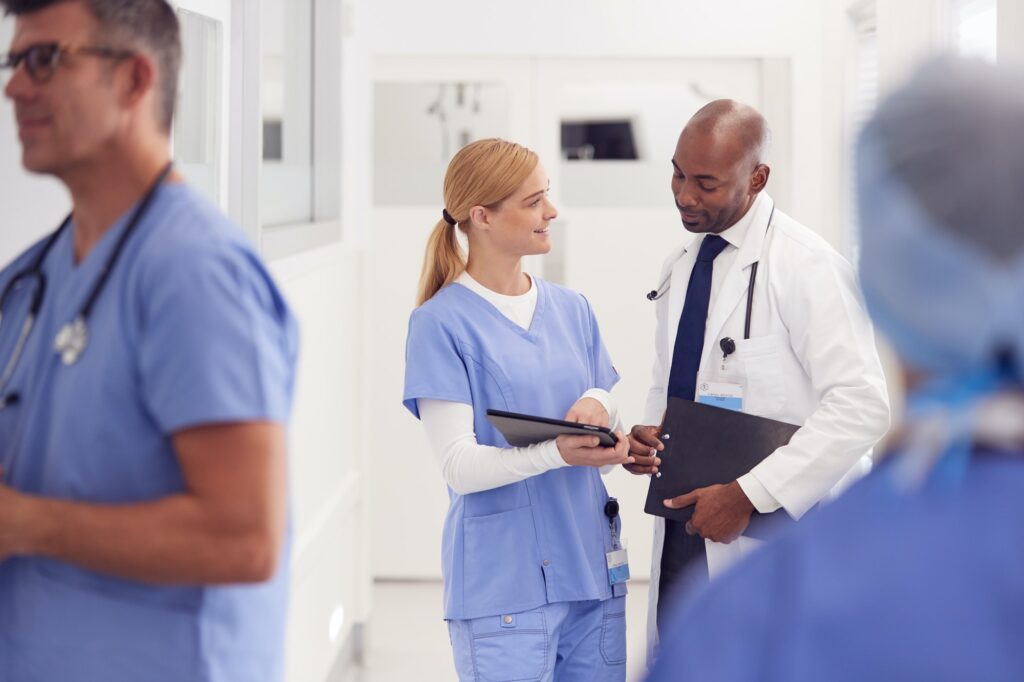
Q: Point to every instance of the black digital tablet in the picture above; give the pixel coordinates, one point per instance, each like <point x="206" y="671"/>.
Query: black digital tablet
<point x="521" y="430"/>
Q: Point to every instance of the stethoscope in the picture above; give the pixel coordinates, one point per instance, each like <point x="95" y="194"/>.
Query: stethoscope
<point x="727" y="345"/>
<point x="73" y="338"/>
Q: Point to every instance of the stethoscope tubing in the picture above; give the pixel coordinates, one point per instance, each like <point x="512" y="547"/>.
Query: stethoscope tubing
<point x="12" y="362"/>
<point x="32" y="272"/>
<point x="35" y="272"/>
<point x="666" y="284"/>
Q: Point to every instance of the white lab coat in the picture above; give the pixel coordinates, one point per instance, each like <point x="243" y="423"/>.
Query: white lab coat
<point x="810" y="360"/>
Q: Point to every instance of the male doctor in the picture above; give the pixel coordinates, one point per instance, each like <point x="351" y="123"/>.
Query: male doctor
<point x="882" y="595"/>
<point x="809" y="357"/>
<point x="148" y="360"/>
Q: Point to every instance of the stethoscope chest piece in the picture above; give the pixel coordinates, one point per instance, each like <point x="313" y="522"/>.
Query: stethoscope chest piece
<point x="71" y="341"/>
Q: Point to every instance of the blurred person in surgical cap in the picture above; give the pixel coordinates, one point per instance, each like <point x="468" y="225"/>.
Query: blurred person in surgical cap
<point x="917" y="573"/>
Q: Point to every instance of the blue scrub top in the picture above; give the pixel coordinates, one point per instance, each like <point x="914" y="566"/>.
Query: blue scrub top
<point x="189" y="330"/>
<point x="544" y="539"/>
<point x="878" y="585"/>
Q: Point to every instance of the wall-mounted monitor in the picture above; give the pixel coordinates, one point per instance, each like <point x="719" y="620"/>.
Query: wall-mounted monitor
<point x="599" y="140"/>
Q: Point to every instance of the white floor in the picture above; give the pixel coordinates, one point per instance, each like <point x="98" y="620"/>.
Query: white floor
<point x="407" y="640"/>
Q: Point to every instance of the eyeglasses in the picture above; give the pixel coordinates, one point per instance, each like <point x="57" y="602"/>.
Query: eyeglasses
<point x="42" y="59"/>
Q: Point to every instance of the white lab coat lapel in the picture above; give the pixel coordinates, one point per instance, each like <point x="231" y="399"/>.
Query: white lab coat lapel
<point x="734" y="287"/>
<point x="677" y="293"/>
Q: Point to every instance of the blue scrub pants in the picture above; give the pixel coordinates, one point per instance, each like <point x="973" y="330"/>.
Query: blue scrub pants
<point x="564" y="642"/>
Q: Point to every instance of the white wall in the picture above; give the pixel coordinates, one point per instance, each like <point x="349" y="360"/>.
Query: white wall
<point x="644" y="28"/>
<point x="331" y="439"/>
<point x="330" y="583"/>
<point x="412" y="147"/>
<point x="1011" y="31"/>
<point x="908" y="31"/>
<point x="659" y="95"/>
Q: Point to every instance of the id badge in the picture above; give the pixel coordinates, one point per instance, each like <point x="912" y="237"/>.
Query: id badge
<point x="618" y="566"/>
<point x="728" y="396"/>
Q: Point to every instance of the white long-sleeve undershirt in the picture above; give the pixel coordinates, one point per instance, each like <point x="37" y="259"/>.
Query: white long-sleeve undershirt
<point x="469" y="467"/>
<point x="466" y="465"/>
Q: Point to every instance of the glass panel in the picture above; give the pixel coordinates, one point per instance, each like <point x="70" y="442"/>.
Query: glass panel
<point x="286" y="194"/>
<point x="197" y="129"/>
<point x="418" y="127"/>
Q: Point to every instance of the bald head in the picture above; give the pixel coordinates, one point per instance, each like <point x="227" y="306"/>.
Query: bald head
<point x="735" y="124"/>
<point x="719" y="165"/>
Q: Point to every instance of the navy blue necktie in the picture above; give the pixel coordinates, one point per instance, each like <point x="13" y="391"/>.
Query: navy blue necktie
<point x="680" y="550"/>
<point x="682" y="378"/>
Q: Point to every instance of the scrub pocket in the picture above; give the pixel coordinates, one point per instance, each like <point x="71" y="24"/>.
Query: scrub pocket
<point x="501" y="561"/>
<point x="613" y="631"/>
<point x="506" y="648"/>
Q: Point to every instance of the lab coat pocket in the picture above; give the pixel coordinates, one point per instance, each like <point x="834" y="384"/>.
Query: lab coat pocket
<point x="510" y="648"/>
<point x="613" y="631"/>
<point x="765" y="390"/>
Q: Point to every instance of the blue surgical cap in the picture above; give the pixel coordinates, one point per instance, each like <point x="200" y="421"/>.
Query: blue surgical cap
<point x="940" y="175"/>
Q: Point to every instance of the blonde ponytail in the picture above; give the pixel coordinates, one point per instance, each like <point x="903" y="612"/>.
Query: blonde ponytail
<point x="443" y="262"/>
<point x="483" y="173"/>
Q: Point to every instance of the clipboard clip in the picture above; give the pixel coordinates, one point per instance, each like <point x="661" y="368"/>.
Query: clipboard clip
<point x="664" y="436"/>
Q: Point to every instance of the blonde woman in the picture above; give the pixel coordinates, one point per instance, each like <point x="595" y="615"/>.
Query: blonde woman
<point x="528" y="594"/>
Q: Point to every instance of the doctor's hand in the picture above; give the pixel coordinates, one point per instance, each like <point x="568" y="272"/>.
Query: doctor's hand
<point x="721" y="514"/>
<point x="644" y="445"/>
<point x="585" y="451"/>
<point x="588" y="411"/>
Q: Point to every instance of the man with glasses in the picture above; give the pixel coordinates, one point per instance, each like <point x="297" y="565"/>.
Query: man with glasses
<point x="146" y="370"/>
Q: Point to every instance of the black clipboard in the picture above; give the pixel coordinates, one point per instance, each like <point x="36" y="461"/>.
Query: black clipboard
<point x="522" y="430"/>
<point x="705" y="445"/>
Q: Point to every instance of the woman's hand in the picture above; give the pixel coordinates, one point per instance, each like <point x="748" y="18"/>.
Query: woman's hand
<point x="585" y="451"/>
<point x="588" y="411"/>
